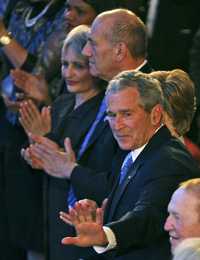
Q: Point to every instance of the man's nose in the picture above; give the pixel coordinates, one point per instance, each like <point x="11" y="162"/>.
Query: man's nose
<point x="168" y="224"/>
<point x="70" y="15"/>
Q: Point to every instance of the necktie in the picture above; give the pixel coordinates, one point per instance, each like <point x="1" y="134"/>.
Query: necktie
<point x="71" y="198"/>
<point x="99" y="116"/>
<point x="128" y="161"/>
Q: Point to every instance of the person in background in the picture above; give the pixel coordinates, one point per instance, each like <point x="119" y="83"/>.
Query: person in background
<point x="189" y="249"/>
<point x="3" y="6"/>
<point x="170" y="40"/>
<point x="179" y="93"/>
<point x="180" y="107"/>
<point x="183" y="221"/>
<point x="194" y="63"/>
<point x="194" y="66"/>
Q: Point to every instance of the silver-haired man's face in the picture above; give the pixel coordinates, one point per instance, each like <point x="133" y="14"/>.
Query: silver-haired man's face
<point x="184" y="219"/>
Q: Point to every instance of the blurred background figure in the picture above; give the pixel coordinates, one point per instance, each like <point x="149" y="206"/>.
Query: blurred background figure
<point x="3" y="6"/>
<point x="195" y="63"/>
<point x="180" y="105"/>
<point x="194" y="69"/>
<point x="171" y="25"/>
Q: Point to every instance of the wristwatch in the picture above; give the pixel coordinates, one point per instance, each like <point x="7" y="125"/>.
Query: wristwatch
<point x="5" y="39"/>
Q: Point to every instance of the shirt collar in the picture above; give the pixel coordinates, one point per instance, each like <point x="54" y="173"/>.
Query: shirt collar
<point x="135" y="153"/>
<point x="141" y="65"/>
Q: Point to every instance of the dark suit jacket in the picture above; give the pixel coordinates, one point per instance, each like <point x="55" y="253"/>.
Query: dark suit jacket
<point x="137" y="209"/>
<point x="96" y="158"/>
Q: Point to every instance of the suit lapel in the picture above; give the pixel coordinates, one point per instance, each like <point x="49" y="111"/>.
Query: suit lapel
<point x="119" y="190"/>
<point x="161" y="136"/>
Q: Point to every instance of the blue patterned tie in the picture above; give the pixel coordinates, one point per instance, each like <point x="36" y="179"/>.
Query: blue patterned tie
<point x="71" y="198"/>
<point x="128" y="161"/>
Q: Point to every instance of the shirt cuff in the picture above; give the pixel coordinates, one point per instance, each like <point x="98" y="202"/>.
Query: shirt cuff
<point x="112" y="243"/>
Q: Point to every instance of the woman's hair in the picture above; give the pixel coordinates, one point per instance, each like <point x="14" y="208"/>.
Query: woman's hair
<point x="189" y="249"/>
<point x="76" y="39"/>
<point x="179" y="96"/>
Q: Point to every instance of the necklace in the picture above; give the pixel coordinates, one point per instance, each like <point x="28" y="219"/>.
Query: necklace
<point x="30" y="22"/>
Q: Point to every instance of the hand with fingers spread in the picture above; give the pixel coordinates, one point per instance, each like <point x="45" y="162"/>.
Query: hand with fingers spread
<point x="89" y="226"/>
<point x="34" y="86"/>
<point x="34" y="121"/>
<point x="91" y="207"/>
<point x="51" y="158"/>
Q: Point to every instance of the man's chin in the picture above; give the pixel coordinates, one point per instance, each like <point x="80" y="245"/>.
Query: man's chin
<point x="174" y="244"/>
<point x="124" y="145"/>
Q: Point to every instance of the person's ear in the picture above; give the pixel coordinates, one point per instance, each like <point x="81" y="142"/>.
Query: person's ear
<point x="120" y="51"/>
<point x="156" y="114"/>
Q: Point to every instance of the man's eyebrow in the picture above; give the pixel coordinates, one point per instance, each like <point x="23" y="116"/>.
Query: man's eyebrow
<point x="120" y="111"/>
<point x="125" y="110"/>
<point x="173" y="212"/>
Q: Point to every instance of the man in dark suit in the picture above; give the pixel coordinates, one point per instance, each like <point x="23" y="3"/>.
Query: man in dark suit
<point x="137" y="206"/>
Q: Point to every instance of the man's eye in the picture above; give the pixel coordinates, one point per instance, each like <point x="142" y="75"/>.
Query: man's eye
<point x="110" y="114"/>
<point x="127" y="114"/>
<point x="176" y="217"/>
